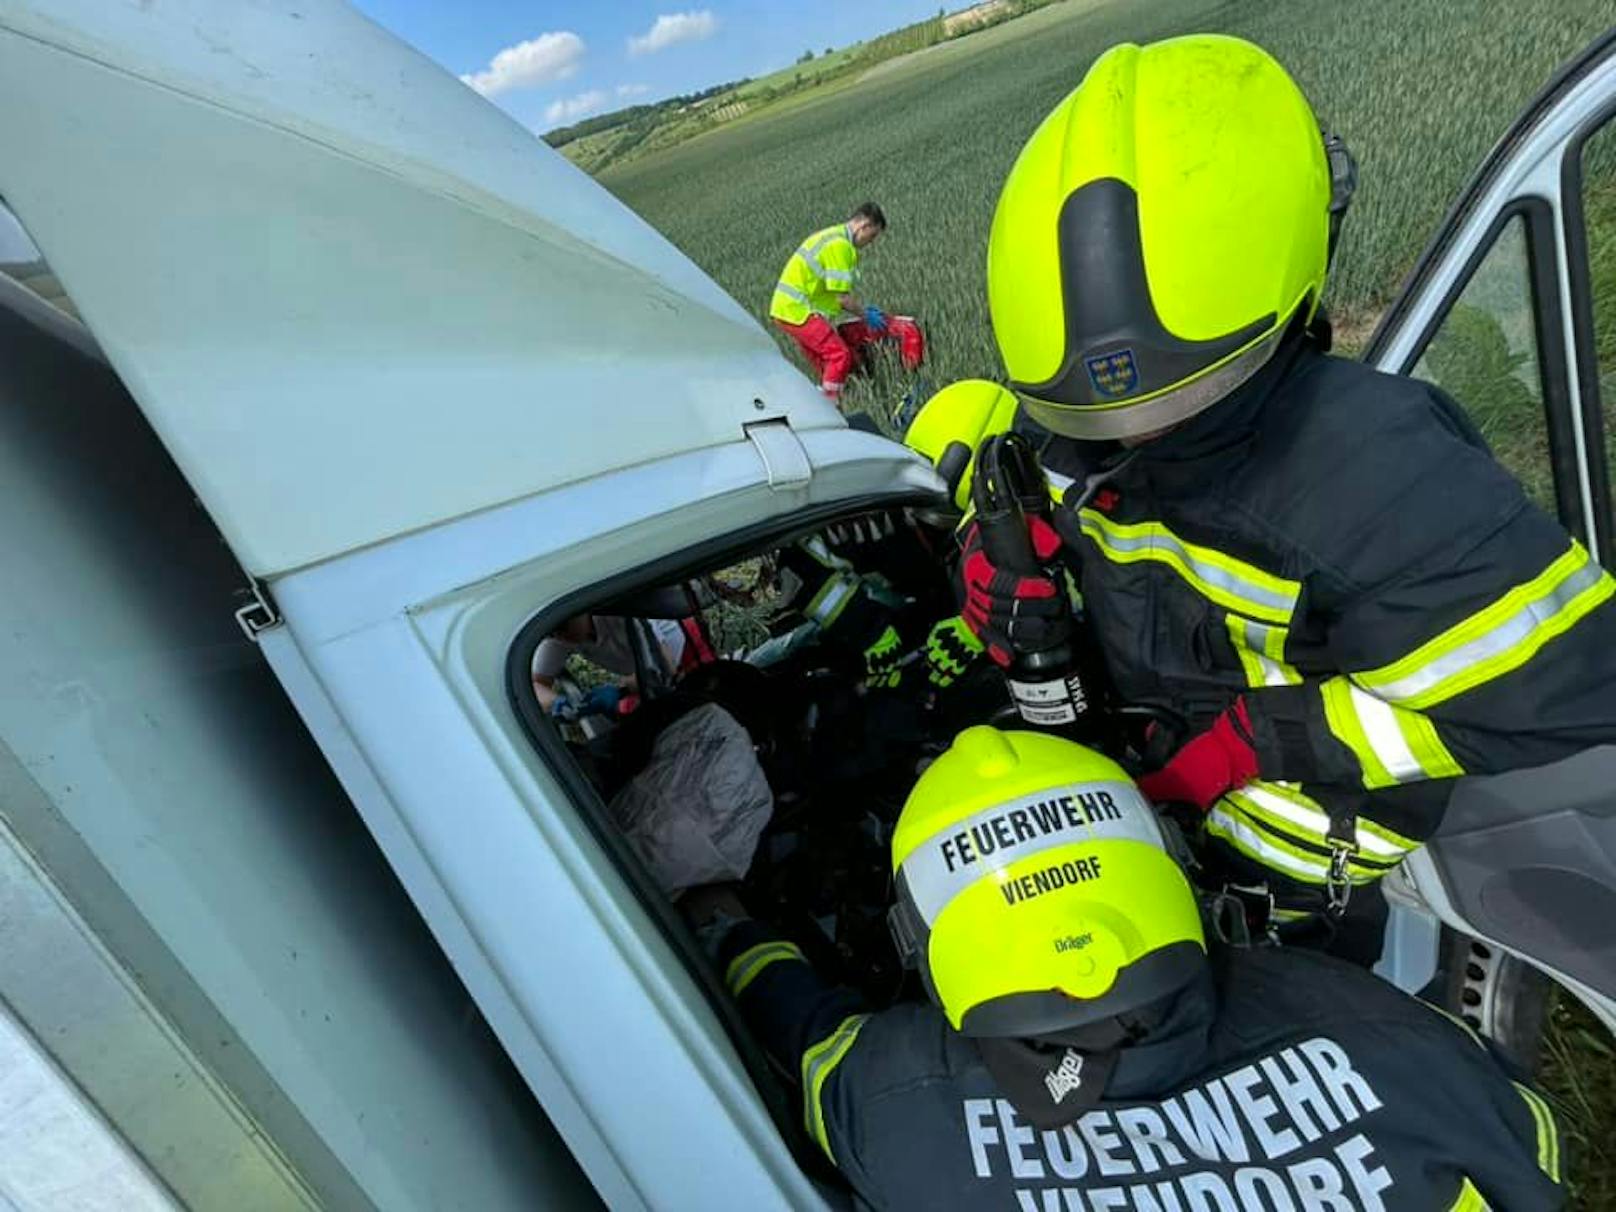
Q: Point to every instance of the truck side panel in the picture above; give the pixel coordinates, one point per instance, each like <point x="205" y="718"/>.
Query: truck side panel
<point x="154" y="773"/>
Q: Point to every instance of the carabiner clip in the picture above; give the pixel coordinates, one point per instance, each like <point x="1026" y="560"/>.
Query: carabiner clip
<point x="1338" y="884"/>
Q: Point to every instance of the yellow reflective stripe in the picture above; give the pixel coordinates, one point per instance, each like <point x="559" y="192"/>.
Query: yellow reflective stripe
<point x="1231" y="583"/>
<point x="833" y="596"/>
<point x="1261" y="649"/>
<point x="1392" y="744"/>
<point x="1498" y="639"/>
<point x="1290" y="915"/>
<point x="1265" y="827"/>
<point x="746" y="966"/>
<point x="1250" y="661"/>
<point x="1548" y="1137"/>
<point x="817" y="1065"/>
<point x="820" y="551"/>
<point x="1390" y="838"/>
<point x="1456" y="1021"/>
<point x="1286" y="806"/>
<point x="1420" y="734"/>
<point x="1469" y="1200"/>
<point x="1272" y="852"/>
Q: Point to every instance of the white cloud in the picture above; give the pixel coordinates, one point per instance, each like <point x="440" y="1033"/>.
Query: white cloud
<point x="670" y="28"/>
<point x="542" y="60"/>
<point x="625" y="91"/>
<point x="570" y="109"/>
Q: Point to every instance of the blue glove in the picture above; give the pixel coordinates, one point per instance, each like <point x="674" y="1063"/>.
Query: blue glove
<point x="602" y="700"/>
<point x="875" y="318"/>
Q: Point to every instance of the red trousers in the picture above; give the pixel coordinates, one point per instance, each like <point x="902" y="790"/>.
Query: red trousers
<point x="835" y="351"/>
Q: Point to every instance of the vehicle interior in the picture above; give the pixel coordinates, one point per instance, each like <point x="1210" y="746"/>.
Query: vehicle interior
<point x="819" y="753"/>
<point x="838" y="751"/>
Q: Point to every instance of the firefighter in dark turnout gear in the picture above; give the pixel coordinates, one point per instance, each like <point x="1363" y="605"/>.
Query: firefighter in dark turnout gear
<point x="1319" y="567"/>
<point x="1082" y="1051"/>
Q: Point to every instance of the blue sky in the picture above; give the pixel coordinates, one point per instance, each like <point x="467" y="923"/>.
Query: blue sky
<point x="550" y="64"/>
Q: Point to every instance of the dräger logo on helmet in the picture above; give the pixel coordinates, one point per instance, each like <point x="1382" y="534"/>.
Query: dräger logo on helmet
<point x="941" y="867"/>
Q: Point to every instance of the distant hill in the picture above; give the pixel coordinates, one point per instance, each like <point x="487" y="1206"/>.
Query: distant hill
<point x="609" y="139"/>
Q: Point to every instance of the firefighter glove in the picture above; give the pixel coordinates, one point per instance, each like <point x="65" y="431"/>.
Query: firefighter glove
<point x="1217" y="760"/>
<point x="950" y="649"/>
<point x="881" y="659"/>
<point x="1010" y="611"/>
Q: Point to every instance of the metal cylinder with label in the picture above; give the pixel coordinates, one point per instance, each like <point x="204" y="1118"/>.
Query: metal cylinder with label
<point x="1051" y="688"/>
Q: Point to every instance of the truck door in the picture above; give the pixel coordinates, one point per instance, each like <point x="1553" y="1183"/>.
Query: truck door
<point x="1512" y="310"/>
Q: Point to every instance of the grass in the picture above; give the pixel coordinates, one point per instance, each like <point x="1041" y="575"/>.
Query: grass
<point x="1420" y="91"/>
<point x="1579" y="1074"/>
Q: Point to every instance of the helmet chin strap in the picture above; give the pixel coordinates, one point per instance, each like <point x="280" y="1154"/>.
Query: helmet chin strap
<point x="1343" y="184"/>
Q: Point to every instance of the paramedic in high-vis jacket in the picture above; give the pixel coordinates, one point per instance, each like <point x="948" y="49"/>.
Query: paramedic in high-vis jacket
<point x="1081" y="1049"/>
<point x="816" y="304"/>
<point x="1319" y="567"/>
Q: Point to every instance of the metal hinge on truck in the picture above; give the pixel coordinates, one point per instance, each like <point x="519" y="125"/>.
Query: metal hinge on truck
<point x="785" y="458"/>
<point x="260" y="614"/>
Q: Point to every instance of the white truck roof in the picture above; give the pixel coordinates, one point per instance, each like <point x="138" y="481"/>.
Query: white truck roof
<point x="353" y="297"/>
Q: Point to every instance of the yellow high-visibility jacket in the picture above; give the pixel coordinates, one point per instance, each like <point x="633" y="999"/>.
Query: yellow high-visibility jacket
<point x="824" y="267"/>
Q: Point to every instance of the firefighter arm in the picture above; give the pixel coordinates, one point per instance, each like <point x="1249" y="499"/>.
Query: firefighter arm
<point x="787" y="1004"/>
<point x="1488" y="660"/>
<point x="1519" y="1166"/>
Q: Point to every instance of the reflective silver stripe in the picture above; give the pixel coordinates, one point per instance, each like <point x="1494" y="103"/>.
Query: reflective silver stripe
<point x="945" y="864"/>
<point x="1378" y="720"/>
<point x="811" y="247"/>
<point x="1160" y="539"/>
<point x="1516" y="629"/>
<point x="837" y="275"/>
<point x="790" y="292"/>
<point x="1273" y="673"/>
<point x="1248" y="839"/>
<point x="1258" y="637"/>
<point x="1289" y="804"/>
<point x="832" y="599"/>
<point x="809" y="252"/>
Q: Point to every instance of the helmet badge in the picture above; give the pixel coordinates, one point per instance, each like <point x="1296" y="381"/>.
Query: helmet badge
<point x="1113" y="374"/>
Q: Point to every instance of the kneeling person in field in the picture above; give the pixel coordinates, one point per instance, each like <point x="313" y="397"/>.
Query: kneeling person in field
<point x="816" y="302"/>
<point x="1082" y="1049"/>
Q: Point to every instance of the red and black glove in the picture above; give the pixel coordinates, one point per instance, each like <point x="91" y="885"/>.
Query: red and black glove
<point x="1217" y="760"/>
<point x="1007" y="610"/>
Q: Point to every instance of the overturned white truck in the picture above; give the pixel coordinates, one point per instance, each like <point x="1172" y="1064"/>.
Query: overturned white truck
<point x="301" y="902"/>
